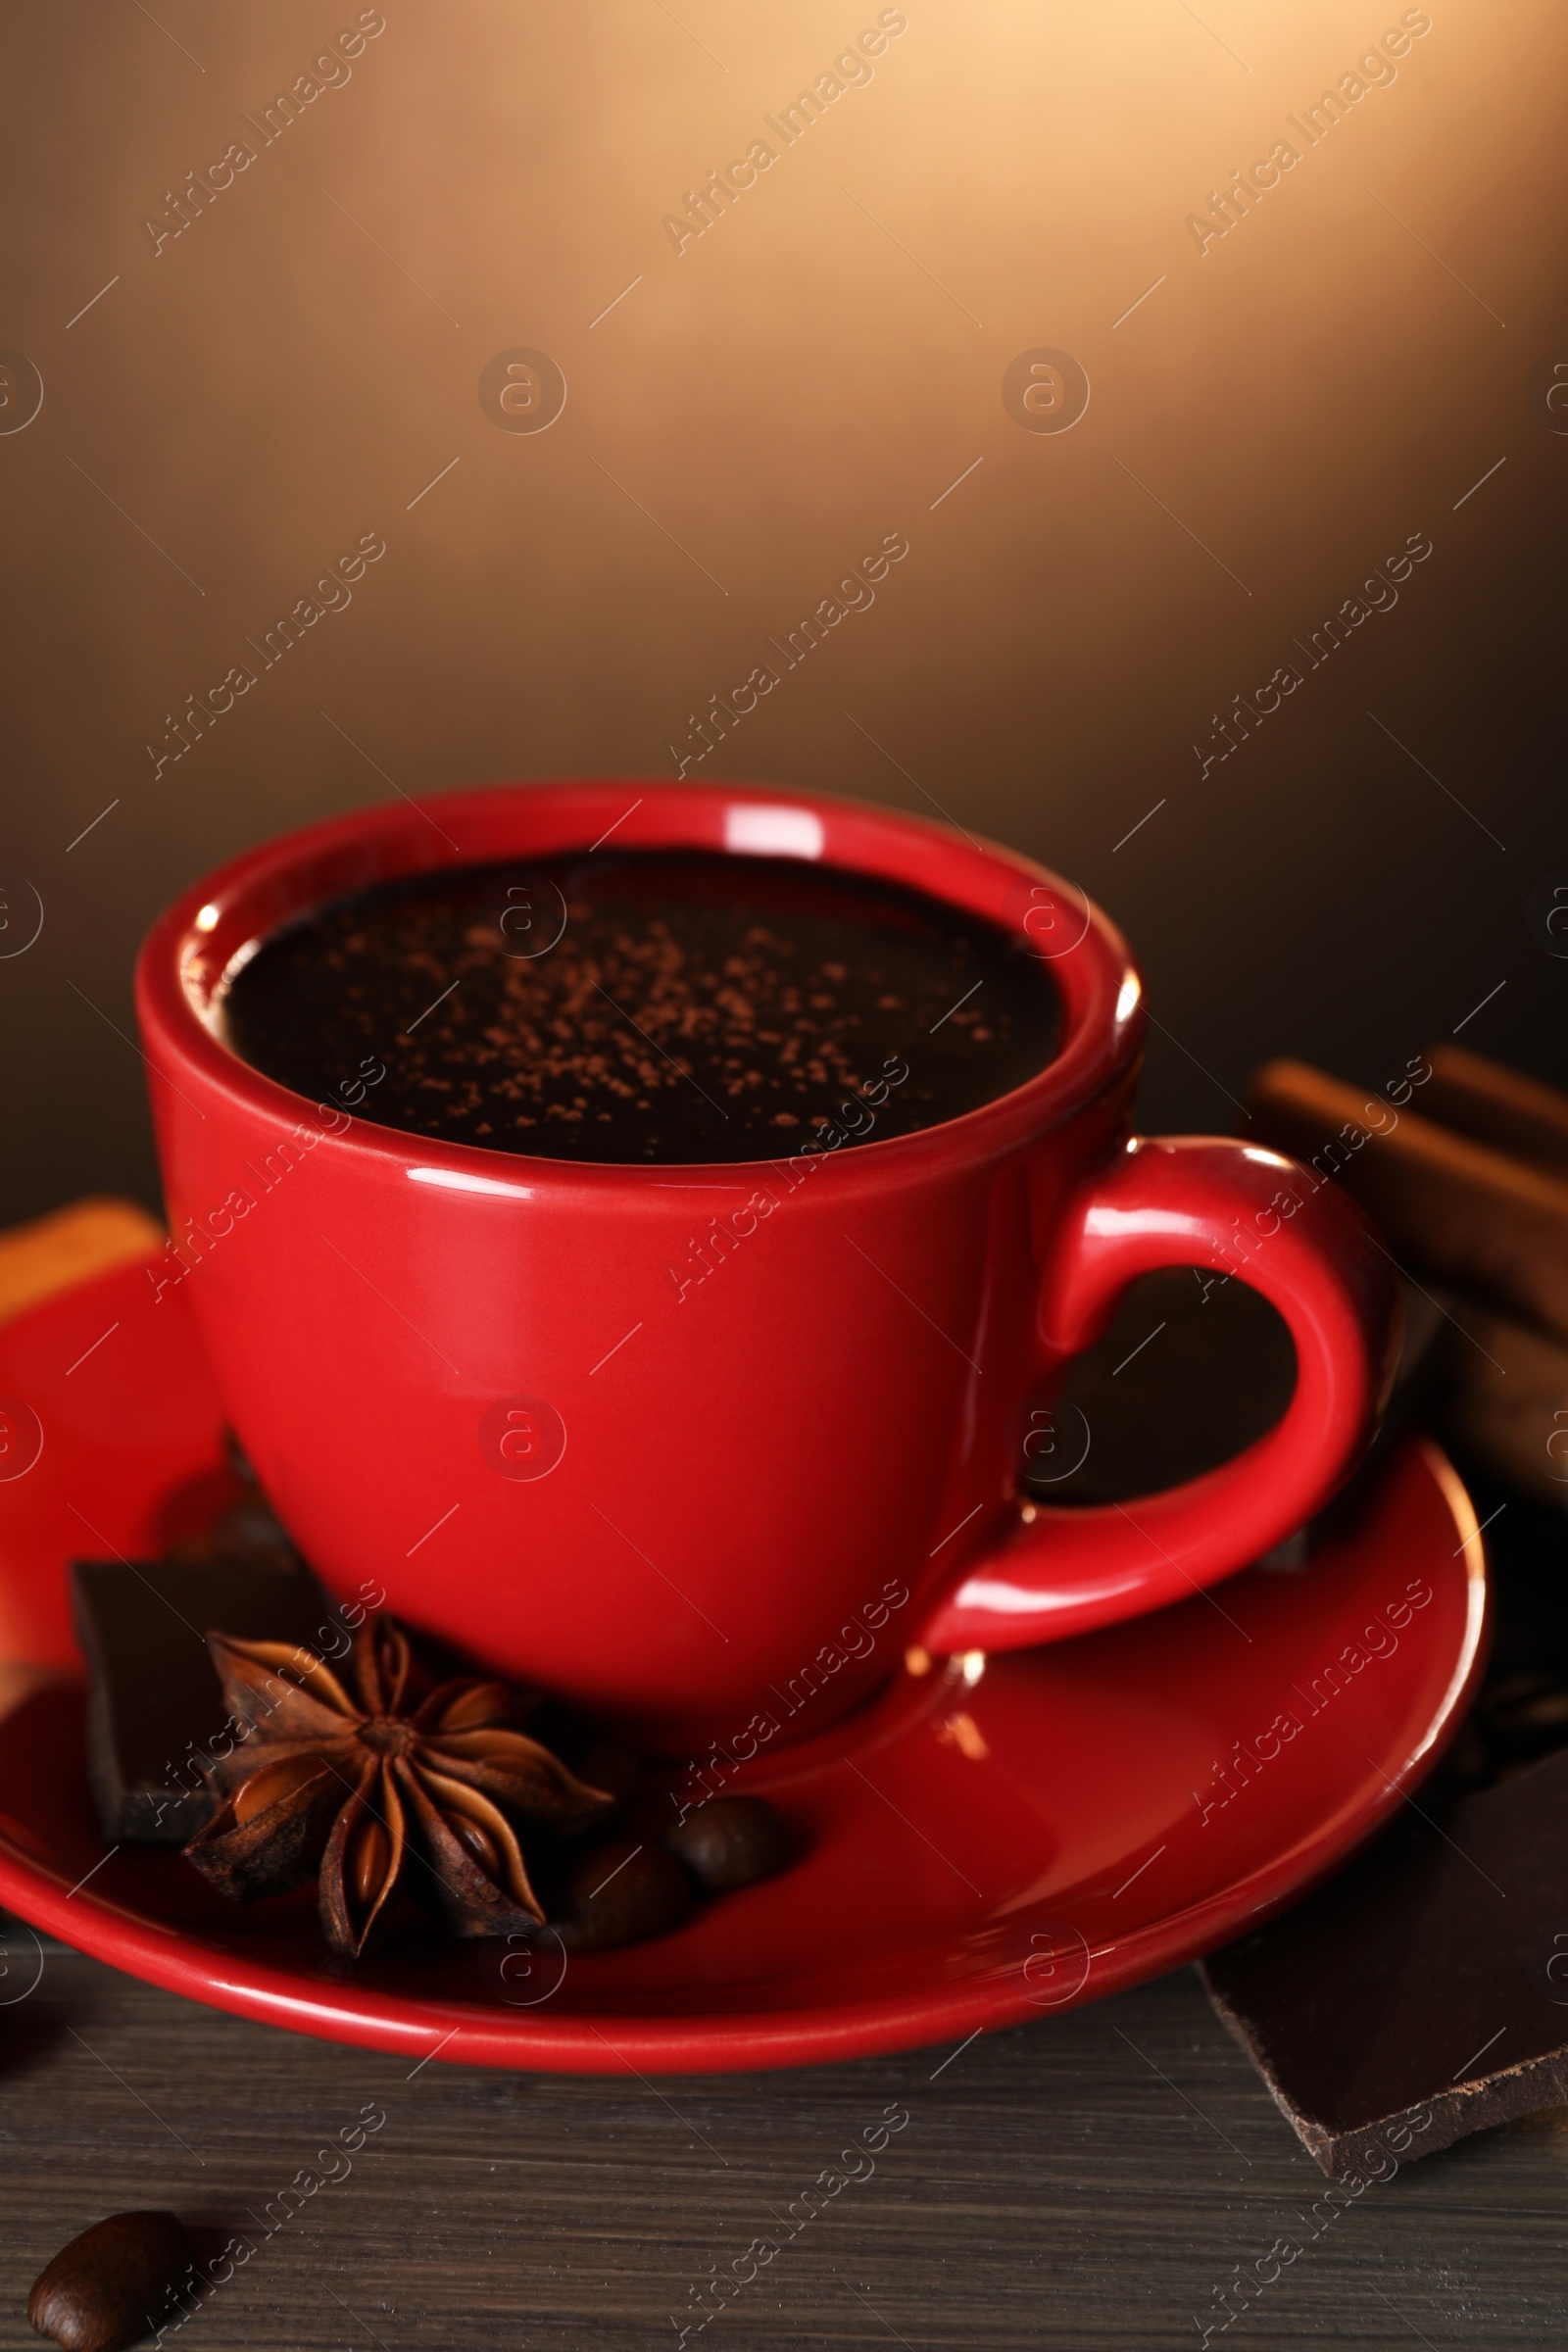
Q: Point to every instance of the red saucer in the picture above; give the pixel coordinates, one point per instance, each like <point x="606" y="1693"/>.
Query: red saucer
<point x="988" y="1841"/>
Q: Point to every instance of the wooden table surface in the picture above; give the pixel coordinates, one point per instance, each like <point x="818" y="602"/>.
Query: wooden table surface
<point x="1094" y="2178"/>
<point x="1083" y="2181"/>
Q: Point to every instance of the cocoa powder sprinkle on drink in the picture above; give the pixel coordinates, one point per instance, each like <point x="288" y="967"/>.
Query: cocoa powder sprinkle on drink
<point x="656" y="1007"/>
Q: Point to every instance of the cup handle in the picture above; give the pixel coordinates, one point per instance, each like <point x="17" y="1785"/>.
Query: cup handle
<point x="1184" y="1202"/>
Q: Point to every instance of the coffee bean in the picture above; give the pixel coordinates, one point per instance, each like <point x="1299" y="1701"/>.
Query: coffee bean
<point x="116" y="2283"/>
<point x="730" y="1842"/>
<point x="620" y="1892"/>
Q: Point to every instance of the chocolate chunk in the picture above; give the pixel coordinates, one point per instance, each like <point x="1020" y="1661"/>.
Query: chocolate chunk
<point x="730" y="1842"/>
<point x="1422" y="1995"/>
<point x="247" y="1529"/>
<point x="155" y="1706"/>
<point x="620" y="1892"/>
<point x="117" y="2282"/>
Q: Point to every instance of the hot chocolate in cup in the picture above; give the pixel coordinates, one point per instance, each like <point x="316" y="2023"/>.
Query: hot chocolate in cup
<point x="695" y="1390"/>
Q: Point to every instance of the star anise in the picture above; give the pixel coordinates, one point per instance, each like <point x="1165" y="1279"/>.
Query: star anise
<point x="419" y="1787"/>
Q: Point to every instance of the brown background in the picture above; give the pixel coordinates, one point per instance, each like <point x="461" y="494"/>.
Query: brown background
<point x="802" y="379"/>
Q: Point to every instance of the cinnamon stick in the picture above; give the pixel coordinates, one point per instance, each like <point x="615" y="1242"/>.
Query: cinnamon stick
<point x="1505" y="1400"/>
<point x="1450" y="1208"/>
<point x="1498" y="1107"/>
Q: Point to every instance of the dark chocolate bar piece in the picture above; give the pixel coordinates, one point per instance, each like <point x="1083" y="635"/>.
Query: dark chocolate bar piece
<point x="1422" y="1995"/>
<point x="155" y="1708"/>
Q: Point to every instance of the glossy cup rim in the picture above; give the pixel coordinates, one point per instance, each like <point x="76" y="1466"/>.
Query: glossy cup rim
<point x="194" y="941"/>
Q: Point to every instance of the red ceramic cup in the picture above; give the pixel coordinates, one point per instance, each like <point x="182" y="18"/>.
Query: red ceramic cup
<point x="722" y="1504"/>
